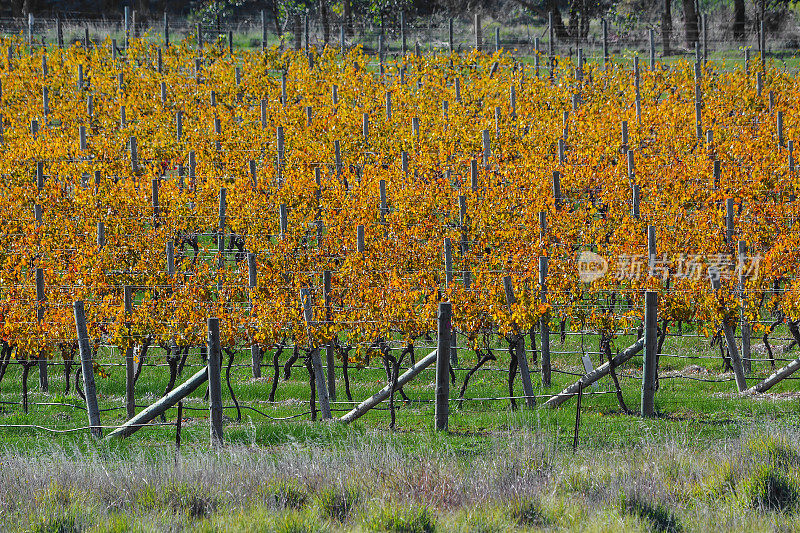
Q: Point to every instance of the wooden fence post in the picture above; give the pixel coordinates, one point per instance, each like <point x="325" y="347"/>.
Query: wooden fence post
<point x="650" y="369"/>
<point x="87" y="369"/>
<point x="442" y="409"/>
<point x="329" y="348"/>
<point x="741" y="249"/>
<point x="166" y="29"/>
<point x="40" y="298"/>
<point x="130" y="402"/>
<point x="252" y="279"/>
<point x="263" y="29"/>
<point x="215" y="381"/>
<point x="478" y="33"/>
<point x="403" y="33"/>
<point x="545" y="321"/>
<point x="450" y="34"/>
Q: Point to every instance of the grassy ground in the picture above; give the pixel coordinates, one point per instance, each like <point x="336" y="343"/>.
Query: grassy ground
<point x="700" y="464"/>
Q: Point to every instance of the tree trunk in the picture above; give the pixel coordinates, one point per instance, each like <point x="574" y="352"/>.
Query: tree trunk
<point x="326" y="25"/>
<point x="298" y="32"/>
<point x="739" y="20"/>
<point x="692" y="28"/>
<point x="29" y="6"/>
<point x="574" y="32"/>
<point x="558" y="22"/>
<point x="348" y="18"/>
<point x="666" y="28"/>
<point x="274" y="6"/>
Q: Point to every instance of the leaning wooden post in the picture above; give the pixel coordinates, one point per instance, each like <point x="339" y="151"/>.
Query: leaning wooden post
<point x="316" y="361"/>
<point x="522" y="357"/>
<point x="545" y="321"/>
<point x="130" y="402"/>
<point x="161" y="405"/>
<point x="255" y="349"/>
<point x="650" y="369"/>
<point x="605" y="44"/>
<point x="214" y="381"/>
<point x="442" y="409"/>
<point x="43" y="385"/>
<point x="730" y="340"/>
<point x="87" y="369"/>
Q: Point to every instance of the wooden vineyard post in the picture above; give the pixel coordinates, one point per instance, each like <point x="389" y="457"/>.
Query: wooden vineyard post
<point x="130" y="406"/>
<point x="40" y="298"/>
<point x="449" y="277"/>
<point x="329" y="348"/>
<point x="650" y="369"/>
<point x="403" y="43"/>
<point x="730" y="341"/>
<point x="450" y="34"/>
<point x="741" y="249"/>
<point x="134" y="154"/>
<point x="360" y="244"/>
<point x="255" y="349"/>
<point x="522" y="356"/>
<point x="478" y="33"/>
<point x="448" y="263"/>
<point x="127" y="23"/>
<point x="59" y="32"/>
<point x="652" y="250"/>
<point x="87" y="369"/>
<point x="316" y="361"/>
<point x="557" y="189"/>
<point x="442" y="409"/>
<point x="214" y="381"/>
<point x="178" y="125"/>
<point x="729" y="219"/>
<point x="166" y="29"/>
<point x="263" y="29"/>
<point x="473" y="175"/>
<point x="551" y="43"/>
<point x="545" y="322"/>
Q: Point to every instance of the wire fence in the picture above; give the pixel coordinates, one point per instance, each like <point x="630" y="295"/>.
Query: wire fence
<point x="211" y="264"/>
<point x="622" y="39"/>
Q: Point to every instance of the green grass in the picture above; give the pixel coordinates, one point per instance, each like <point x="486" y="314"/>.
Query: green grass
<point x="701" y="404"/>
<point x="711" y="447"/>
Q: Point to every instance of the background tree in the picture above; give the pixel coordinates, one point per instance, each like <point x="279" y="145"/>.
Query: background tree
<point x="739" y="20"/>
<point x="692" y="27"/>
